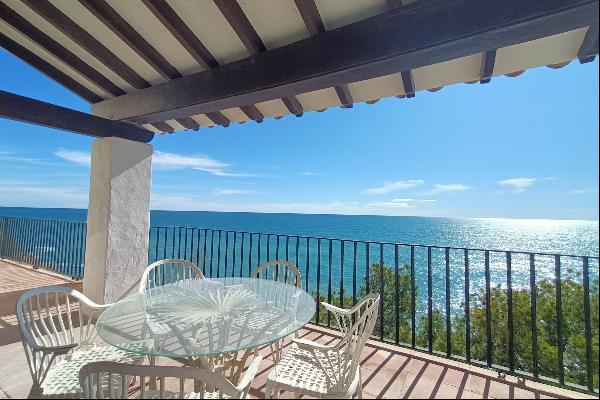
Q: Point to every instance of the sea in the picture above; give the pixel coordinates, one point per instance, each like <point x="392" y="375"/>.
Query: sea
<point x="339" y="267"/>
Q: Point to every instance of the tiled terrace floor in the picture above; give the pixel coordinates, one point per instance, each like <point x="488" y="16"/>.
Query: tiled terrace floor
<point x="388" y="371"/>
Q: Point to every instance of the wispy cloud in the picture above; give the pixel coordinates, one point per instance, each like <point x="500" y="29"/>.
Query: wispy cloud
<point x="399" y="203"/>
<point x="449" y="187"/>
<point x="164" y="162"/>
<point x="519" y="185"/>
<point x="389" y="187"/>
<point x="229" y="192"/>
<point x="78" y="157"/>
<point x="584" y="191"/>
<point x="311" y="174"/>
<point x="174" y="201"/>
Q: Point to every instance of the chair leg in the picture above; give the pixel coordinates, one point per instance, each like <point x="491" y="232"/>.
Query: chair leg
<point x="268" y="391"/>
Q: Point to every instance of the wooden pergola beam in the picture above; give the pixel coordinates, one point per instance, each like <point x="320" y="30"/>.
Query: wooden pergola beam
<point x="404" y="41"/>
<point x="48" y="69"/>
<point x="20" y="108"/>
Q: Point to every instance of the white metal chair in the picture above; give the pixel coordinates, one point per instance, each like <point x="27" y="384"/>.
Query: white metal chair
<point x="58" y="340"/>
<point x="167" y="272"/>
<point x="284" y="272"/>
<point x="328" y="371"/>
<point x="170" y="271"/>
<point x="281" y="271"/>
<point x="114" y="378"/>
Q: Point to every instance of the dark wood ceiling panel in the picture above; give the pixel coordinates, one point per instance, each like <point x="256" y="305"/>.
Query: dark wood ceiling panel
<point x="57" y="50"/>
<point x="48" y="69"/>
<point x="80" y="36"/>
<point x="113" y="20"/>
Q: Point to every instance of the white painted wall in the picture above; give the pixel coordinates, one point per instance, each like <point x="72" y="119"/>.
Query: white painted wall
<point x="118" y="219"/>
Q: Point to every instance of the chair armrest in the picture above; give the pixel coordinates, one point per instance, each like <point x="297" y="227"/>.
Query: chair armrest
<point x="250" y="374"/>
<point x="337" y="310"/>
<point x="58" y="350"/>
<point x="304" y="344"/>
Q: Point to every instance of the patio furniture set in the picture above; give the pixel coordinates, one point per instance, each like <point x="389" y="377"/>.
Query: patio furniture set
<point x="78" y="349"/>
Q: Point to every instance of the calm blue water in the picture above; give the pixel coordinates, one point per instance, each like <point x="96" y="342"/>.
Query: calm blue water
<point x="337" y="262"/>
<point x="554" y="236"/>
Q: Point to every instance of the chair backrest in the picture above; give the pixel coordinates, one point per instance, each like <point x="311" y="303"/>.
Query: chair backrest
<point x="115" y="378"/>
<point x="168" y="272"/>
<point x="278" y="270"/>
<point x="49" y="316"/>
<point x="357" y="324"/>
<point x="52" y="320"/>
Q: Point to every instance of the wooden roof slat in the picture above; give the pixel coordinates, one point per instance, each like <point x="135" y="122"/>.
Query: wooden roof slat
<point x="48" y="69"/>
<point x="253" y="113"/>
<point x="314" y="24"/>
<point x="292" y="104"/>
<point x="57" y="50"/>
<point x="169" y="18"/>
<point x="589" y="47"/>
<point x="487" y="66"/>
<point x="345" y="96"/>
<point x="163" y="127"/>
<point x="113" y="20"/>
<point x="463" y="28"/>
<point x="408" y="83"/>
<point x="218" y="118"/>
<point x="188" y="123"/>
<point x="80" y="36"/>
<point x="234" y="14"/>
<point x="20" y="108"/>
<point x="310" y="15"/>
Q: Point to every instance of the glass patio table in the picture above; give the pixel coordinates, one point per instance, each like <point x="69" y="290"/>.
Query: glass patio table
<point x="206" y="319"/>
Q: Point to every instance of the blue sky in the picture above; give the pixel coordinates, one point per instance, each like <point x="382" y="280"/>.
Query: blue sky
<point x="524" y="147"/>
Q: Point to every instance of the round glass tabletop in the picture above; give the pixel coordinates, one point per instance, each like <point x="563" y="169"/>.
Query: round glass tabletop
<point x="193" y="318"/>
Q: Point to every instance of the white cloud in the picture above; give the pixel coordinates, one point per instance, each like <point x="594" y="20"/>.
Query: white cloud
<point x="519" y="185"/>
<point x="311" y="174"/>
<point x="449" y="187"/>
<point x="34" y="195"/>
<point x="229" y="192"/>
<point x="78" y="157"/>
<point x="584" y="191"/>
<point x="163" y="162"/>
<point x="186" y="202"/>
<point x="389" y="187"/>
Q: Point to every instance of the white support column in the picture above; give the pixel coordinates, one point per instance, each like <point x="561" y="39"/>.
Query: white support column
<point x="118" y="221"/>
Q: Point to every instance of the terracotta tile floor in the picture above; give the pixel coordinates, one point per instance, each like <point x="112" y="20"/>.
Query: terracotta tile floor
<point x="388" y="371"/>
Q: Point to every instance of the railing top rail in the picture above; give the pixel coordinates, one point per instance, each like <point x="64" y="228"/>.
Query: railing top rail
<point x="42" y="219"/>
<point x="386" y="243"/>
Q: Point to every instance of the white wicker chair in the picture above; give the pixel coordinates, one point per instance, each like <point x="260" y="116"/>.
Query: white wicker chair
<point x="115" y="378"/>
<point x="328" y="371"/>
<point x="170" y="271"/>
<point x="167" y="272"/>
<point x="280" y="271"/>
<point x="58" y="340"/>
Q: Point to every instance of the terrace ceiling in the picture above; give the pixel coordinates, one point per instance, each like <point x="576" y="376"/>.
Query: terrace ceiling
<point x="184" y="64"/>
